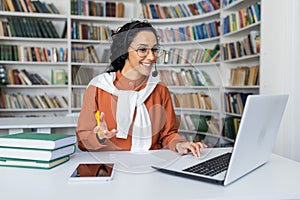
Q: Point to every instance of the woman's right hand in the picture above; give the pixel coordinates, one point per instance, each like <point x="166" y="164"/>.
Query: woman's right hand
<point x="104" y="132"/>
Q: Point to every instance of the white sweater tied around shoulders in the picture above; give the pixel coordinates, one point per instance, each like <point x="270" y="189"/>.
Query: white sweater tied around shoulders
<point x="127" y="101"/>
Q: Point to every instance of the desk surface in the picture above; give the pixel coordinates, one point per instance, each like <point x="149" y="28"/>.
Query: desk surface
<point x="267" y="182"/>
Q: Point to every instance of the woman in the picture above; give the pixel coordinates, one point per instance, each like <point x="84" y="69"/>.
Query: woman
<point x="136" y="108"/>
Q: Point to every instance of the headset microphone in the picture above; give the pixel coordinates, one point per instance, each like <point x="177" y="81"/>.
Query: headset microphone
<point x="155" y="73"/>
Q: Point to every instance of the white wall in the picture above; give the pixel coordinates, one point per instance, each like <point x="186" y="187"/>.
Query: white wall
<point x="280" y="70"/>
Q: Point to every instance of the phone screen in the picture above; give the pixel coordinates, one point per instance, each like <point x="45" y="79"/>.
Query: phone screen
<point x="93" y="170"/>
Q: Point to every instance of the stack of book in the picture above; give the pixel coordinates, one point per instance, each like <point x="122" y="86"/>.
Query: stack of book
<point x="36" y="150"/>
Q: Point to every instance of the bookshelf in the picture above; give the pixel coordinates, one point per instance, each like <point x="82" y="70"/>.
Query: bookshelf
<point x="240" y="47"/>
<point x="29" y="37"/>
<point x="196" y="32"/>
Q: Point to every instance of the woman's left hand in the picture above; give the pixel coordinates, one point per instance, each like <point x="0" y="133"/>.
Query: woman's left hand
<point x="186" y="147"/>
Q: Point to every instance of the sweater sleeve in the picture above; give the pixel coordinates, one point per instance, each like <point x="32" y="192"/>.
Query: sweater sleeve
<point x="169" y="135"/>
<point x="87" y="139"/>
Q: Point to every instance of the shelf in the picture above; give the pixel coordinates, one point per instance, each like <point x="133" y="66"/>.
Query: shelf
<point x="91" y="41"/>
<point x="38" y="40"/>
<point x="243" y="30"/>
<point x="237" y="5"/>
<point x="244" y="58"/>
<point x="233" y="5"/>
<point x="195" y="110"/>
<point x="233" y="114"/>
<point x="110" y="20"/>
<point x="190" y="65"/>
<point x="56" y="64"/>
<point x="194" y="87"/>
<point x="34" y="110"/>
<point x="76" y="109"/>
<point x="90" y="64"/>
<point x="201" y="133"/>
<point x="36" y="86"/>
<point x="190" y="42"/>
<point x="246" y="87"/>
<point x="215" y="13"/>
<point x="34" y="15"/>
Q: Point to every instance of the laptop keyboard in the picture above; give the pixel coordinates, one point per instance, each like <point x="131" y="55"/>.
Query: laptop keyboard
<point x="211" y="167"/>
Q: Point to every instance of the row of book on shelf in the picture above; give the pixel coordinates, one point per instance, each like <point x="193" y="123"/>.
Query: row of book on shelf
<point x="82" y="75"/>
<point x="242" y="18"/>
<point x="83" y="31"/>
<point x="33" y="54"/>
<point x="193" y="100"/>
<point x="179" y="10"/>
<point x="185" y="77"/>
<point x="14" y="76"/>
<point x="77" y="98"/>
<point x="244" y="76"/>
<point x="231" y="127"/>
<point x="189" y="55"/>
<point x="23" y="101"/>
<point x="98" y="8"/>
<point x="28" y="27"/>
<point x="190" y="32"/>
<point x="87" y="54"/>
<point x="235" y="102"/>
<point x="10" y="52"/>
<point x="198" y="123"/>
<point x="43" y="54"/>
<point x="246" y="46"/>
<point x="207" y="125"/>
<point x="36" y="150"/>
<point x="35" y="6"/>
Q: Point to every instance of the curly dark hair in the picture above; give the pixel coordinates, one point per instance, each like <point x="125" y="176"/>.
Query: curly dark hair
<point x="121" y="40"/>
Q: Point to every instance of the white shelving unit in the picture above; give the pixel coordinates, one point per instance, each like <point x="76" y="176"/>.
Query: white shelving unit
<point x="248" y="60"/>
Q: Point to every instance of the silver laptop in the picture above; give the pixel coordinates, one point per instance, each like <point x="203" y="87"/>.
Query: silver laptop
<point x="253" y="145"/>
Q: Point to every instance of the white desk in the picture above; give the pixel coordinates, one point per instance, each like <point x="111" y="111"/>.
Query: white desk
<point x="267" y="182"/>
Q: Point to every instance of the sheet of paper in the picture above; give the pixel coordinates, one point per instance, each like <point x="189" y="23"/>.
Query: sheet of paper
<point x="137" y="160"/>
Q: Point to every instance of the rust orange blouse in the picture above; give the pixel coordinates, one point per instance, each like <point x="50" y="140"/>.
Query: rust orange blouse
<point x="159" y="105"/>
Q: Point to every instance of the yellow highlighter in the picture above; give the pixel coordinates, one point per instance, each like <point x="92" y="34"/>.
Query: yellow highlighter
<point x="97" y="116"/>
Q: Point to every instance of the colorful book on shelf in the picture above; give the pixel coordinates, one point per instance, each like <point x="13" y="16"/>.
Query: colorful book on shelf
<point x="37" y="140"/>
<point x="59" y="77"/>
<point x="11" y="162"/>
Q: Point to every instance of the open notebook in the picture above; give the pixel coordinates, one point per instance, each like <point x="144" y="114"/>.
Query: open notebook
<point x="253" y="146"/>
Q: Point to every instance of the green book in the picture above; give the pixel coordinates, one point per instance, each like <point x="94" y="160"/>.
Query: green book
<point x="229" y="128"/>
<point x="200" y="122"/>
<point x="11" y="162"/>
<point x="34" y="140"/>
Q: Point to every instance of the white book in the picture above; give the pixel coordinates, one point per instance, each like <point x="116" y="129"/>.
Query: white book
<point x="36" y="154"/>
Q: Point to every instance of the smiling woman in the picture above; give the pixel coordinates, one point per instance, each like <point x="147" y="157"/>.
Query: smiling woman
<point x="136" y="108"/>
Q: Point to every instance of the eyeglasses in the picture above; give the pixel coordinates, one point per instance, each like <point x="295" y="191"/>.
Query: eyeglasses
<point x="143" y="51"/>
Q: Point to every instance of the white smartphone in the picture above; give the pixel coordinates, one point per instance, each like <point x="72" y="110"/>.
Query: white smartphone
<point x="93" y="172"/>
